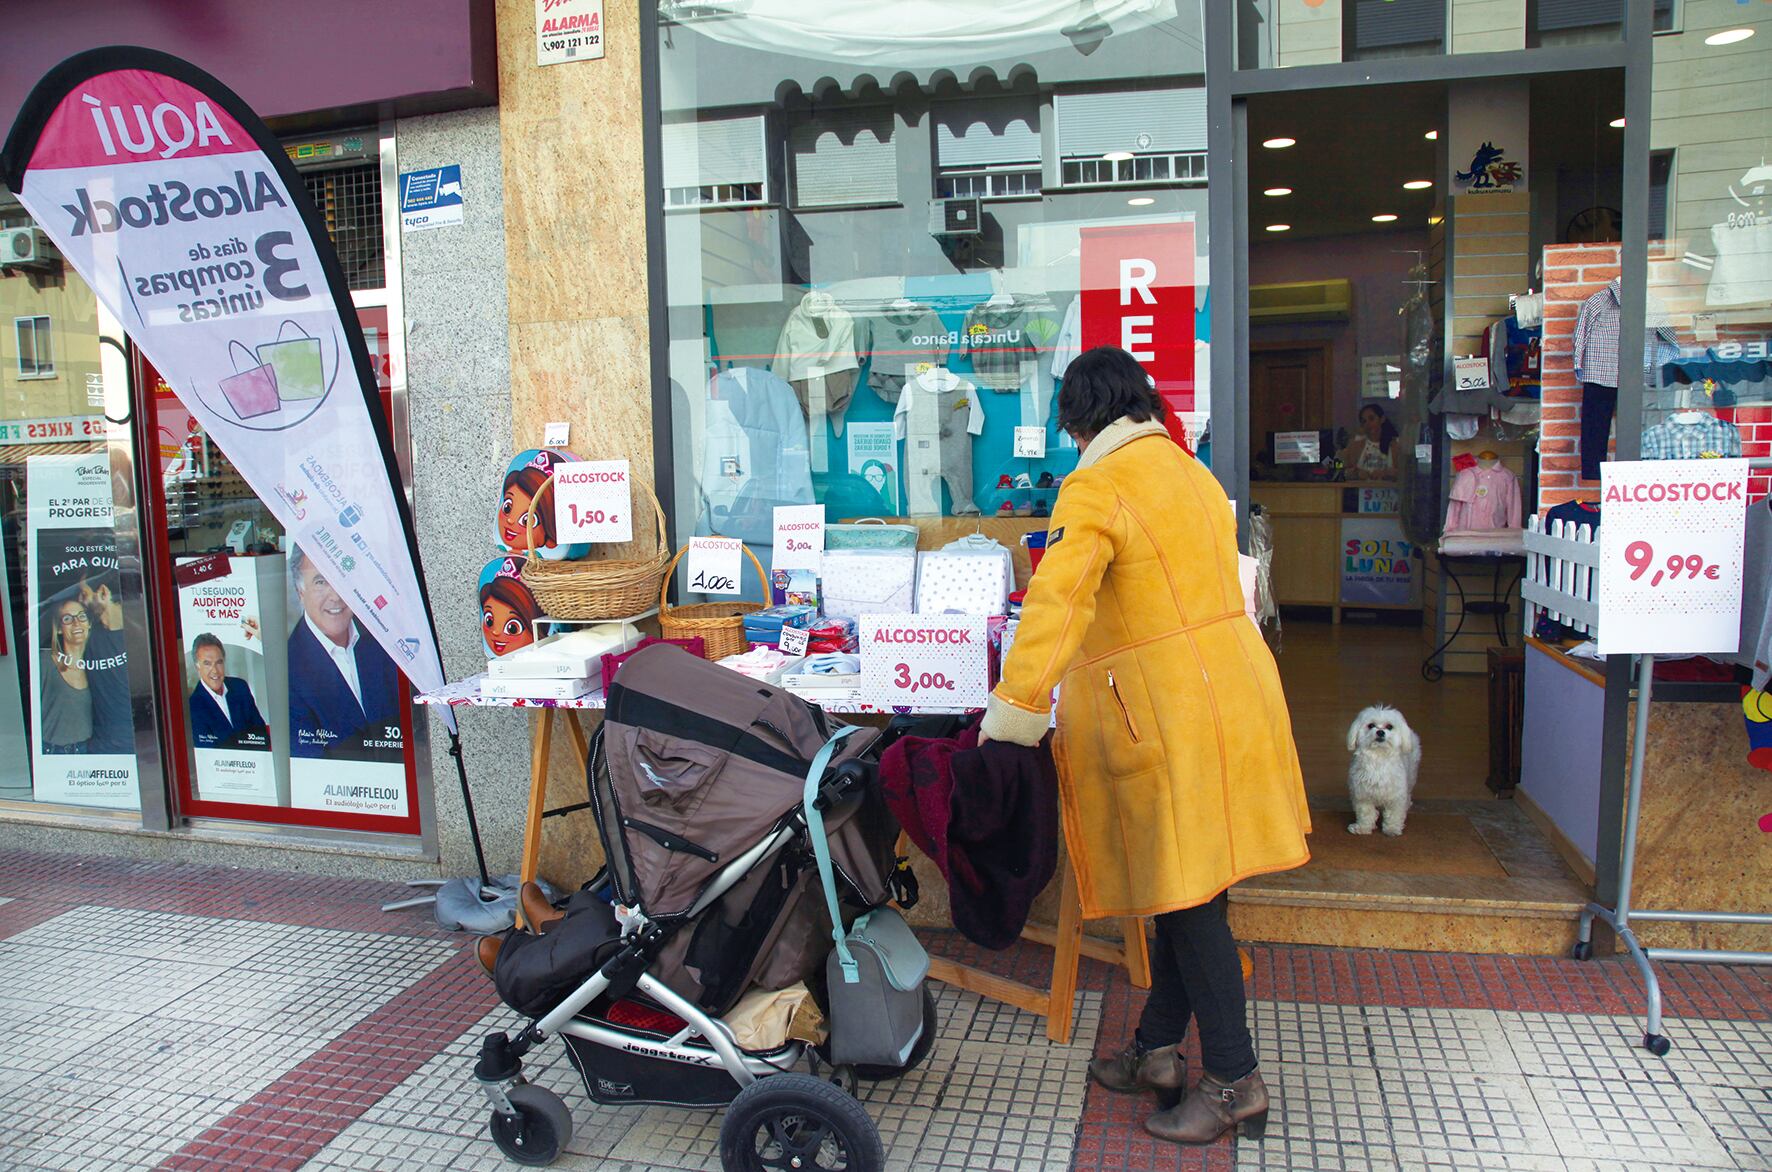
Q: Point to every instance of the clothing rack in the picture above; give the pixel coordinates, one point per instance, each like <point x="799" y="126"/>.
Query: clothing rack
<point x="1619" y="918"/>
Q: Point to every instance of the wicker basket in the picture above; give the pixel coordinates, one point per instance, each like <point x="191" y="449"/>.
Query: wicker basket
<point x="597" y="588"/>
<point x="720" y="625"/>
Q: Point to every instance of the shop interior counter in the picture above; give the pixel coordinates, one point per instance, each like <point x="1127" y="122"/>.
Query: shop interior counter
<point x="1311" y="527"/>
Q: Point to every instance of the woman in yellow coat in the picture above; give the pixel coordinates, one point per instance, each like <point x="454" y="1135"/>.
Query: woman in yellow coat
<point x="1177" y="771"/>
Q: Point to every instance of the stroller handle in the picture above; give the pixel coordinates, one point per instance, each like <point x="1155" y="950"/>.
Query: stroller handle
<point x="850" y="777"/>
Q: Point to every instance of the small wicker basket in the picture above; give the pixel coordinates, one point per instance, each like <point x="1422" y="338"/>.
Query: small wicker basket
<point x="720" y="625"/>
<point x="597" y="588"/>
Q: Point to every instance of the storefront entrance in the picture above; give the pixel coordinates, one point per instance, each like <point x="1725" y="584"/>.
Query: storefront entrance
<point x="1390" y="232"/>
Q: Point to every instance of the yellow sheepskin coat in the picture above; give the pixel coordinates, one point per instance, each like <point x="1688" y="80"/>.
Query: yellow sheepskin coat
<point x="1177" y="771"/>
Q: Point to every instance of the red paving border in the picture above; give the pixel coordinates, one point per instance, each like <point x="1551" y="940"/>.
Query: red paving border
<point x="301" y="1112"/>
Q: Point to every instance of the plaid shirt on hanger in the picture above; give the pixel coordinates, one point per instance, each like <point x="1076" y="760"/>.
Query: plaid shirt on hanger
<point x="1705" y="437"/>
<point x="1596" y="340"/>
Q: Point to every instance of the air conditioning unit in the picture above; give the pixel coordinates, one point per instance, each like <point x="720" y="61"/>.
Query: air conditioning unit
<point x="1301" y="301"/>
<point x="956" y="217"/>
<point x="26" y="247"/>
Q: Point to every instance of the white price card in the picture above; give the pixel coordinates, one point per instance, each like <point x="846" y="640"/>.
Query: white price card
<point x="794" y="640"/>
<point x="714" y="564"/>
<point x="1030" y="443"/>
<point x="925" y="661"/>
<point x="557" y="435"/>
<point x="1471" y="374"/>
<point x="593" y="501"/>
<point x="1671" y="556"/>
<point x="799" y="537"/>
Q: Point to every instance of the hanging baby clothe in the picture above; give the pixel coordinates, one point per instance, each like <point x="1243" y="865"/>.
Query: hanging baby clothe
<point x="818" y="354"/>
<point x="937" y="416"/>
<point x="997" y="337"/>
<point x="1484" y="497"/>
<point x="1691" y="435"/>
<point x="1070" y="337"/>
<point x="906" y="338"/>
<point x="765" y="463"/>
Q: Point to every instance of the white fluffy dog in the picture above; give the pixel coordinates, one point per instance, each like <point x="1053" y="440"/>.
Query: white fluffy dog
<point x="1381" y="779"/>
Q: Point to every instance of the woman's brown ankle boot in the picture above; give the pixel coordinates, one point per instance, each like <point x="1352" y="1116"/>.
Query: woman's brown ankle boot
<point x="1163" y="1069"/>
<point x="1212" y="1108"/>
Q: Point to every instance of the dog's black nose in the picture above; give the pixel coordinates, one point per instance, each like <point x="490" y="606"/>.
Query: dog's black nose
<point x="1379" y="735"/>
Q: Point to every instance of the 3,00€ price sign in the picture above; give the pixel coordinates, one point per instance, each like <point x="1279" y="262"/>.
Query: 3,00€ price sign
<point x="925" y="661"/>
<point x="1671" y="556"/>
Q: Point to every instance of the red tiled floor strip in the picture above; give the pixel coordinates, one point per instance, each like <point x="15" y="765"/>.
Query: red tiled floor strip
<point x="290" y="1121"/>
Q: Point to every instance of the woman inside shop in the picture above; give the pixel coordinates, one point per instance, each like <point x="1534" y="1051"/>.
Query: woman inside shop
<point x="1373" y="454"/>
<point x="1178" y="774"/>
<point x="67" y="694"/>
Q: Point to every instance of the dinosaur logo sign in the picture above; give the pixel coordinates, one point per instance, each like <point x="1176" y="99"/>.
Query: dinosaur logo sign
<point x="1490" y="172"/>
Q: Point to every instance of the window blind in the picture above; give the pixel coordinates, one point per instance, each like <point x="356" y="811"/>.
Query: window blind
<point x="719" y="150"/>
<point x="1565" y="14"/>
<point x="1165" y="121"/>
<point x="986" y="134"/>
<point x="845" y="157"/>
<point x="1380" y="24"/>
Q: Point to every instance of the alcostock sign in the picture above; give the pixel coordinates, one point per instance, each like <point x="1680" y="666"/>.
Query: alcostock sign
<point x="169" y="196"/>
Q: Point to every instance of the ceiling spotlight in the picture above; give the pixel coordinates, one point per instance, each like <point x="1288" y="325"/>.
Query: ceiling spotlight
<point x="1384" y="218"/>
<point x="1729" y="36"/>
<point x="1117" y="157"/>
<point x="1279" y="227"/>
<point x="1432" y="135"/>
<point x="1279" y="144"/>
<point x="1418" y="185"/>
<point x="1616" y="124"/>
<point x="1141" y="201"/>
<point x="1278" y="191"/>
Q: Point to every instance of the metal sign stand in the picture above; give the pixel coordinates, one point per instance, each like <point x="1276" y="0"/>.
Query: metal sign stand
<point x="1619" y="918"/>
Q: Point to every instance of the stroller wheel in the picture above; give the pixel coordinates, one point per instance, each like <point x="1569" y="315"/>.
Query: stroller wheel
<point x="540" y="1129"/>
<point x="797" y="1123"/>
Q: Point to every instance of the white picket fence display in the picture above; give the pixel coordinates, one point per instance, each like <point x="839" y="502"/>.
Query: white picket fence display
<point x="1562" y="575"/>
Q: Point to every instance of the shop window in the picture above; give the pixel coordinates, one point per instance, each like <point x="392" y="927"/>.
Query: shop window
<point x="845" y="158"/>
<point x="1131" y="137"/>
<point x="1382" y="28"/>
<point x="349" y="201"/>
<point x="716" y="162"/>
<point x="988" y="150"/>
<point x="35" y="357"/>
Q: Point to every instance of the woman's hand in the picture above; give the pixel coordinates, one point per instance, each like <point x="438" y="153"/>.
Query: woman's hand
<point x="983" y="738"/>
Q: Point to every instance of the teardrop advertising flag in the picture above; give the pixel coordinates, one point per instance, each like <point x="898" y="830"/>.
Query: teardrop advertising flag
<point x="187" y="219"/>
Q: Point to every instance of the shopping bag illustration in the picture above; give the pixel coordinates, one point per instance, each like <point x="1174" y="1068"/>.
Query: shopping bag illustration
<point x="297" y="363"/>
<point x="251" y="391"/>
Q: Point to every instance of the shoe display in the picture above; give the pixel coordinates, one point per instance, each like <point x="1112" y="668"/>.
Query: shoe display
<point x="1045" y="480"/>
<point x="1005" y="482"/>
<point x="1040" y="509"/>
<point x="1023" y="480"/>
<point x="1006" y="509"/>
<point x="1212" y="1108"/>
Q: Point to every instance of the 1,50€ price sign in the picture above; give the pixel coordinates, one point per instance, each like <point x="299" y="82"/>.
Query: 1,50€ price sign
<point x="925" y="661"/>
<point x="1670" y="556"/>
<point x="591" y="501"/>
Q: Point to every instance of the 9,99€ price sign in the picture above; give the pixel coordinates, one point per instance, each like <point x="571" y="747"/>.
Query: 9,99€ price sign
<point x="925" y="661"/>
<point x="1671" y="556"/>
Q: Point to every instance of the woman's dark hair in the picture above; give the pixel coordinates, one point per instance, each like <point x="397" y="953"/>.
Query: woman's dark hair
<point x="1387" y="432"/>
<point x="1102" y="385"/>
<point x="530" y="479"/>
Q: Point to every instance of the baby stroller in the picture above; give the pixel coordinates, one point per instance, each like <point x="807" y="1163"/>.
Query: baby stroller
<point x="738" y="824"/>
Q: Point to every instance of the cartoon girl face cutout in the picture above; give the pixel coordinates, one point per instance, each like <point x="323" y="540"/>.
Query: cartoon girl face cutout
<point x="525" y="516"/>
<point x="508" y="610"/>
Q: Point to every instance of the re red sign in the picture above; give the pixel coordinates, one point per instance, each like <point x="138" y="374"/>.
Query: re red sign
<point x="1138" y="294"/>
